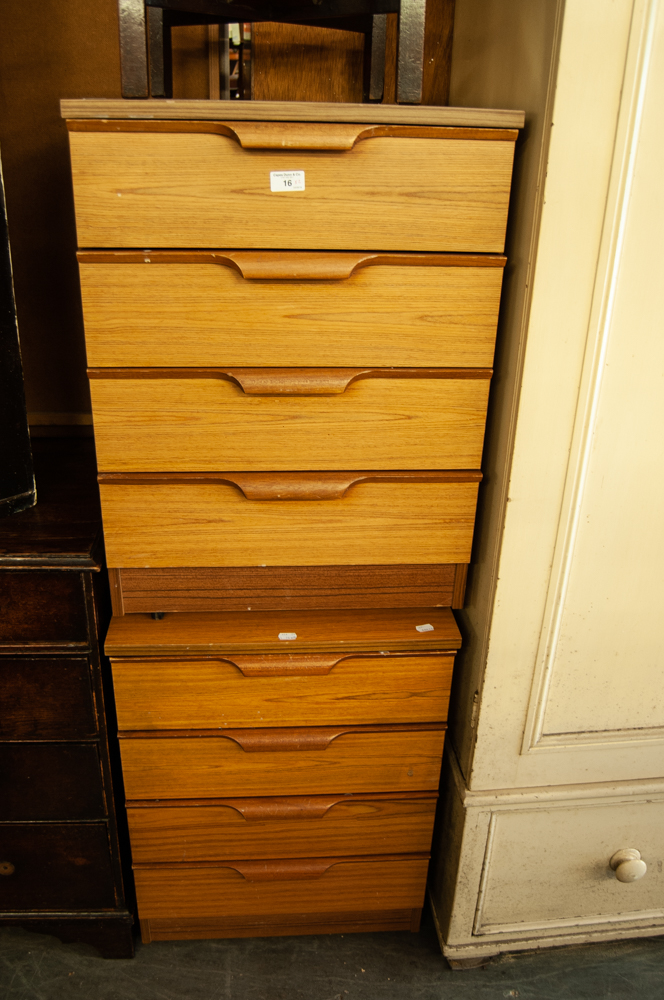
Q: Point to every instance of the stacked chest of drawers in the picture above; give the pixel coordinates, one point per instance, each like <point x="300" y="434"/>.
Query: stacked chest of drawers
<point x="290" y="331"/>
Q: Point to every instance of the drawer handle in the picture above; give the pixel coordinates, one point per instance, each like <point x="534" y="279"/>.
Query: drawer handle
<point x="627" y="865"/>
<point x="289" y="381"/>
<point x="274" y="665"/>
<point x="290" y="265"/>
<point x="7" y="868"/>
<point x="298" y="266"/>
<point x="287" y="485"/>
<point x="280" y="740"/>
<point x="281" y="871"/>
<point x="288" y="807"/>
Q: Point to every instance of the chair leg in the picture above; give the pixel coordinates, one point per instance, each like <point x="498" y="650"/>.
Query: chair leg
<point x="410" y="66"/>
<point x="160" y="53"/>
<point x="376" y="68"/>
<point x="133" y="48"/>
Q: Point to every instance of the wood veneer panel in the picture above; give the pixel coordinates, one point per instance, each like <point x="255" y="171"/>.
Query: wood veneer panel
<point x="384" y="194"/>
<point x="41" y="608"/>
<point x="46" y="699"/>
<point x="257" y="632"/>
<point x="346" y="922"/>
<point x="182" y="523"/>
<point x="183" y="110"/>
<point x="211" y="891"/>
<point x="257" y="588"/>
<point x="384" y="759"/>
<point x="57" y="866"/>
<point x="176" y="313"/>
<point x="158" y="424"/>
<point x="190" y="693"/>
<point x="371" y="824"/>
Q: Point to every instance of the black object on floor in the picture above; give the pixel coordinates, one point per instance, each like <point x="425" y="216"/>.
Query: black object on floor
<point x="397" y="966"/>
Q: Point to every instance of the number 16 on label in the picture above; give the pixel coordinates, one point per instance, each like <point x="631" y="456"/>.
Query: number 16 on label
<point x="287" y="180"/>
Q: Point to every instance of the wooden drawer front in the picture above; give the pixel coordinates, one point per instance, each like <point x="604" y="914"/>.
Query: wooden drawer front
<point x="151" y="189"/>
<point x="281" y="691"/>
<point x="177" y="314"/>
<point x="194" y="523"/>
<point x="281" y="828"/>
<point x="50" y="781"/>
<point x="46" y="699"/>
<point x="203" y="421"/>
<point x="208" y="891"/>
<point x="56" y="866"/>
<point x="217" y="766"/>
<point x="42" y="608"/>
<point x="266" y="588"/>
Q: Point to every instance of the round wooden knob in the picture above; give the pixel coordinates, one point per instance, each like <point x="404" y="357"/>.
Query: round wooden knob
<point x="627" y="865"/>
<point x="6" y="868"/>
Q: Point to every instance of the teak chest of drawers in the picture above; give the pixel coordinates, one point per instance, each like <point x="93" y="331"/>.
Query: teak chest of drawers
<point x="289" y="392"/>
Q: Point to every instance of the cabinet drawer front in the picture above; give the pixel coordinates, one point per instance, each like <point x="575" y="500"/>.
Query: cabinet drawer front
<point x="216" y="766"/>
<point x="214" y="693"/>
<point x="281" y="828"/>
<point x="50" y="781"/>
<point x="46" y="699"/>
<point x="44" y="608"/>
<point x="191" y="424"/>
<point x="553" y="863"/>
<point x="56" y="866"/>
<point x="218" y="891"/>
<point x="177" y="314"/>
<point x="193" y="523"/>
<point x="151" y="189"/>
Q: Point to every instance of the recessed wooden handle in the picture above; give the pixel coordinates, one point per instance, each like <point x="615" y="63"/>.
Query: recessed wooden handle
<point x="294" y="381"/>
<point x="289" y="381"/>
<point x="283" y="870"/>
<point x="260" y="265"/>
<point x="274" y="665"/>
<point x="286" y="807"/>
<point x="7" y="868"/>
<point x="288" y="485"/>
<point x="281" y="740"/>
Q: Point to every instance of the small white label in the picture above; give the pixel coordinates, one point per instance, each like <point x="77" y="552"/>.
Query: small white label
<point x="424" y="628"/>
<point x="287" y="180"/>
<point x="288" y="635"/>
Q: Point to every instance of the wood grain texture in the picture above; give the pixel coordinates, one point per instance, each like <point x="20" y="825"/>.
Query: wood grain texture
<point x="212" y="523"/>
<point x="205" y="190"/>
<point x="291" y="265"/>
<point x="382" y="760"/>
<point x="51" y="781"/>
<point x="266" y="588"/>
<point x="191" y="693"/>
<point x="275" y="135"/>
<point x="42" y="609"/>
<point x="46" y="699"/>
<point x="245" y="632"/>
<point x="299" y="827"/>
<point x="160" y="424"/>
<point x="176" y="314"/>
<point x="54" y="865"/>
<point x="296" y="111"/>
<point x="345" y="922"/>
<point x="306" y="63"/>
<point x="460" y="580"/>
<point x="183" y="891"/>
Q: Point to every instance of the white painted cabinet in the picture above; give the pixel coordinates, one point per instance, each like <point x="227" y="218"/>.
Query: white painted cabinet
<point x="557" y="746"/>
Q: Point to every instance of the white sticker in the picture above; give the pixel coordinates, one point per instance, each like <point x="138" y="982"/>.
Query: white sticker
<point x="287" y="180"/>
<point x="288" y="635"/>
<point x="424" y="628"/>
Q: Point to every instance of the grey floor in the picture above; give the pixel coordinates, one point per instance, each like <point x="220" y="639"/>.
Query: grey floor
<point x="351" y="967"/>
